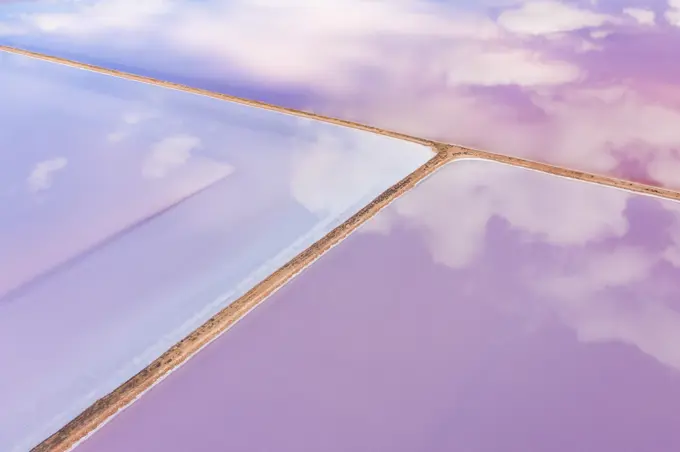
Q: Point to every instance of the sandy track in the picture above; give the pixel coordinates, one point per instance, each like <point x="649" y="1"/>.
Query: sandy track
<point x="214" y="95"/>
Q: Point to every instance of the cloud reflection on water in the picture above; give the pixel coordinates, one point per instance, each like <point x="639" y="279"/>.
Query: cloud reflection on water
<point x="589" y="85"/>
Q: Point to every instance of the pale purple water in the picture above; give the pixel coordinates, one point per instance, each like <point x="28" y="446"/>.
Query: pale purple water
<point x="492" y="309"/>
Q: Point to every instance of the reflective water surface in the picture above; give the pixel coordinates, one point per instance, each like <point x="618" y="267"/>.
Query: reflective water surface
<point x="129" y="214"/>
<point x="591" y="85"/>
<point x="491" y="309"/>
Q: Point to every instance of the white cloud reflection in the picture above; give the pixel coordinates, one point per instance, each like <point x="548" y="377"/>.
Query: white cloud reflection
<point x="43" y="173"/>
<point x="545" y="211"/>
<point x="642" y="15"/>
<point x="596" y="279"/>
<point x="169" y="154"/>
<point x="545" y="17"/>
<point x="673" y="12"/>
